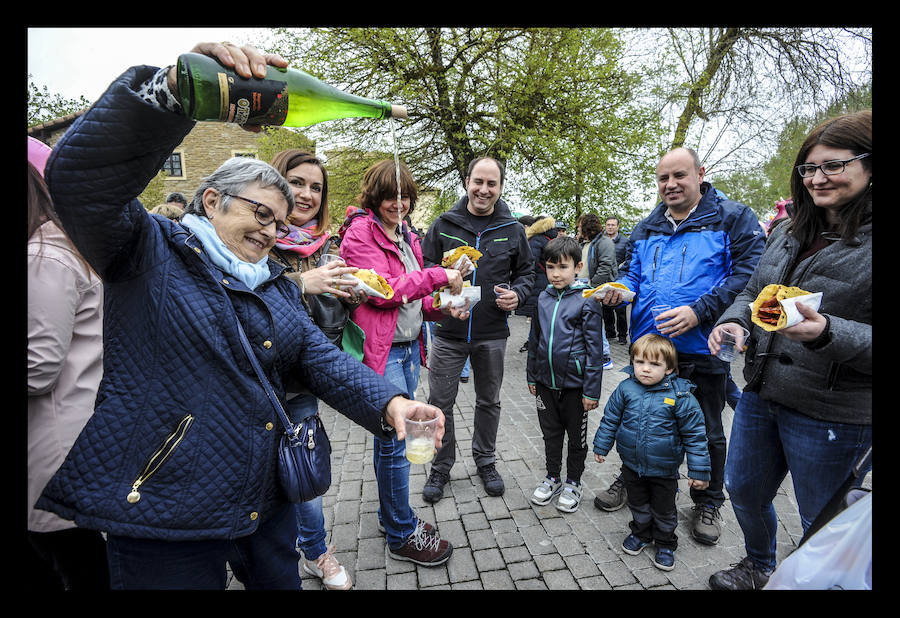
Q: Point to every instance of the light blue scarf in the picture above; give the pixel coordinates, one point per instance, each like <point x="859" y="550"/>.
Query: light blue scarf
<point x="252" y="274"/>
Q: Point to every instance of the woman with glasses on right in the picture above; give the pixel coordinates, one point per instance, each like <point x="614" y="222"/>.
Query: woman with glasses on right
<point x="807" y="406"/>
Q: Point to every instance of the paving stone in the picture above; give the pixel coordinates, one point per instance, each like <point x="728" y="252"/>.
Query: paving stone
<point x="512" y="555"/>
<point x="497" y="580"/>
<point x="461" y="566"/>
<point x="523" y="570"/>
<point x="402" y="581"/>
<point x="531" y="584"/>
<point x="430" y="577"/>
<point x="559" y="580"/>
<point x="482" y="539"/>
<point x="488" y="560"/>
<point x="506" y="542"/>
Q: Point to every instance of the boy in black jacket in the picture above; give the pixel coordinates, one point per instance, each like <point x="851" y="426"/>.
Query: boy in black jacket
<point x="564" y="371"/>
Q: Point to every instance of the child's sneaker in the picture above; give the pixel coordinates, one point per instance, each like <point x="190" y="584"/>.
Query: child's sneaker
<point x="570" y="497"/>
<point x="607" y="363"/>
<point x="546" y="490"/>
<point x="664" y="559"/>
<point x="633" y="545"/>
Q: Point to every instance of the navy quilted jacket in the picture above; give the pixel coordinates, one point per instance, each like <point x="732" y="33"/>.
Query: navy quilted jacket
<point x="177" y="388"/>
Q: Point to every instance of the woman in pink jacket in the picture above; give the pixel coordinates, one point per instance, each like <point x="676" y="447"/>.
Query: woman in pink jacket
<point x="378" y="239"/>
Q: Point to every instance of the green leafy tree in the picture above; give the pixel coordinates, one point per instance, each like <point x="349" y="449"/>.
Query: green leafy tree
<point x="43" y="106"/>
<point x="552" y="103"/>
<point x="155" y="192"/>
<point x="272" y="140"/>
<point x="731" y="89"/>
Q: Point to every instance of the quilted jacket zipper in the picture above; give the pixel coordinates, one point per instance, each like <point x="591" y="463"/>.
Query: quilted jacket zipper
<point x="159" y="457"/>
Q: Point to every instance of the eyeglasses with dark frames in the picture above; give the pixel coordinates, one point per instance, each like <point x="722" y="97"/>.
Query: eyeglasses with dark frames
<point x="829" y="168"/>
<point x="264" y="215"/>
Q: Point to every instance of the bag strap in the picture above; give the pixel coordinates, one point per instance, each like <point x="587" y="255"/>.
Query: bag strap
<point x="267" y="386"/>
<point x="327" y="245"/>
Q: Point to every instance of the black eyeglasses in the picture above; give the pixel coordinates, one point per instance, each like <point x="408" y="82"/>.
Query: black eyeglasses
<point x="264" y="216"/>
<point x="829" y="168"/>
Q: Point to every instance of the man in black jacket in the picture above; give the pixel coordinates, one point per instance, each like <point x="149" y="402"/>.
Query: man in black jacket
<point x="483" y="221"/>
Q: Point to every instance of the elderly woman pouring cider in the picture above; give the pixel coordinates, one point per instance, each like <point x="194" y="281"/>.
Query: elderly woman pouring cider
<point x="178" y="462"/>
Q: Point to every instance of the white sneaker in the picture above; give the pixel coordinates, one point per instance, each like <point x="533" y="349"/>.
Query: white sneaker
<point x="569" y="498"/>
<point x="545" y="491"/>
<point x="329" y="570"/>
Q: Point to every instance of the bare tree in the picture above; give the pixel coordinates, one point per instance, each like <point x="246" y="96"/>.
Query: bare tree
<point x="734" y="88"/>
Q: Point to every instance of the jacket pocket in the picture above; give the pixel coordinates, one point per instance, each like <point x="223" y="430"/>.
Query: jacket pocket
<point x="159" y="457"/>
<point x="577" y="362"/>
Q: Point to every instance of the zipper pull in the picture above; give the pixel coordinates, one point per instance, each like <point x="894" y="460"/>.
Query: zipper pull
<point x="310" y="444"/>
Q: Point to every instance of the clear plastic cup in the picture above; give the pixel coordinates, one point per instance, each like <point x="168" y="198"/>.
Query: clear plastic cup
<point x="420" y="440"/>
<point x="656" y="310"/>
<point x="328" y="258"/>
<point x="732" y="345"/>
<point x="505" y="286"/>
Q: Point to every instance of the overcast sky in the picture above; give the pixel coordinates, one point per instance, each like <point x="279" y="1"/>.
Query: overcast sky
<point x="73" y="62"/>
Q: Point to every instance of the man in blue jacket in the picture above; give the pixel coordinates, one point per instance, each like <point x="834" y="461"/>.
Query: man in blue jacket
<point x="695" y="252"/>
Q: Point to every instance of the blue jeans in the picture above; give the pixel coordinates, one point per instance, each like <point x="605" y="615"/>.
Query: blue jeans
<point x="769" y="440"/>
<point x="264" y="560"/>
<point x="311" y="528"/>
<point x="310" y="518"/>
<point x="391" y="464"/>
<point x="732" y="392"/>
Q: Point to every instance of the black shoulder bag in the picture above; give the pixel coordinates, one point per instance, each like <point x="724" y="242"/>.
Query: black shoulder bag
<point x="304" y="453"/>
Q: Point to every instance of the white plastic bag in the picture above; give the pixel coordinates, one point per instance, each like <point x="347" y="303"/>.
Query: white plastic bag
<point x="837" y="556"/>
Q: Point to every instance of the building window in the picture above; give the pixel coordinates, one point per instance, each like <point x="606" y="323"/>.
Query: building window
<point x="173" y="166"/>
<point x="244" y="153"/>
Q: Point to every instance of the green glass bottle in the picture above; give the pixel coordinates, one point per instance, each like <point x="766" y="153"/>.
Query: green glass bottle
<point x="289" y="97"/>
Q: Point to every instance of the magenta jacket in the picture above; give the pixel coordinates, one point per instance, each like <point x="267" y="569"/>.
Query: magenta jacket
<point x="364" y="244"/>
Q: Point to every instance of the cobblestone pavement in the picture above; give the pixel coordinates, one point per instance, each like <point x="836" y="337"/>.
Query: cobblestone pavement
<point x="506" y="542"/>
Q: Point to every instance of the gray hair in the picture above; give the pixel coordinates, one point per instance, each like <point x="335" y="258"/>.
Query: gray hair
<point x="234" y="176"/>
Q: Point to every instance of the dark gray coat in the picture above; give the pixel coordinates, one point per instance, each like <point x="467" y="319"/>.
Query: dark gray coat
<point x="833" y="382"/>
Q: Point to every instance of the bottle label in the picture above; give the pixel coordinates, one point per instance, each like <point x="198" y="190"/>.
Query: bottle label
<point x="252" y="101"/>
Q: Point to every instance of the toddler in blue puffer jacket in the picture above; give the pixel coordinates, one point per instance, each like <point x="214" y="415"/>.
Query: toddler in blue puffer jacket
<point x="654" y="419"/>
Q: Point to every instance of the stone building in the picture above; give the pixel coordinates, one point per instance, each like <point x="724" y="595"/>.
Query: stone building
<point x="205" y="148"/>
<point x="209" y="144"/>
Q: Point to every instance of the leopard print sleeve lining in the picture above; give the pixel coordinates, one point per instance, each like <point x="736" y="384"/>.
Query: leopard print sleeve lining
<point x="156" y="92"/>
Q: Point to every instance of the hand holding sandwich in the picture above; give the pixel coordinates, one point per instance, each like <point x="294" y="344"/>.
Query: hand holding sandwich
<point x="809" y="329"/>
